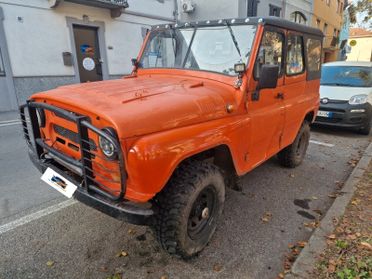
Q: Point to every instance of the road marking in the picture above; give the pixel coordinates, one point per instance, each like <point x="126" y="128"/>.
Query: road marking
<point x="10" y="123"/>
<point x="322" y="143"/>
<point x="35" y="216"/>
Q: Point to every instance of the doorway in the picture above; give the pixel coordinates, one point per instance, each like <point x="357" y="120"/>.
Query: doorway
<point x="88" y="50"/>
<point x="88" y="53"/>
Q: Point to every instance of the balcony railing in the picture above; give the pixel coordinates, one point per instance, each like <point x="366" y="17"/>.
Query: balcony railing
<point x="330" y="42"/>
<point x="115" y="6"/>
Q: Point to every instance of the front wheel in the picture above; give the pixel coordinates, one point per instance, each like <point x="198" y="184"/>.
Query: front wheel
<point x="294" y="154"/>
<point x="189" y="208"/>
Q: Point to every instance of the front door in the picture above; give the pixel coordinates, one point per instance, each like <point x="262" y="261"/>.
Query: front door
<point x="88" y="53"/>
<point x="267" y="112"/>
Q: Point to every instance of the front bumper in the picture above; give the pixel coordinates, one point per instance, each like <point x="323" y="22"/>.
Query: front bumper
<point x="80" y="172"/>
<point x="345" y="115"/>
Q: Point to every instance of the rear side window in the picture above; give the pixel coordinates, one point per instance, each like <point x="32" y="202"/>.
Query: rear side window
<point x="271" y="52"/>
<point x="314" y="56"/>
<point x="295" y="58"/>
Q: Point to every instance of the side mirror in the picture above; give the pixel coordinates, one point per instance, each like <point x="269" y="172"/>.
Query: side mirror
<point x="268" y="76"/>
<point x="134" y="62"/>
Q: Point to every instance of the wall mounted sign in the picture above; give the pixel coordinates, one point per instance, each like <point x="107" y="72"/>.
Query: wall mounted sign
<point x="353" y="43"/>
<point x="88" y="64"/>
<point x="87" y="49"/>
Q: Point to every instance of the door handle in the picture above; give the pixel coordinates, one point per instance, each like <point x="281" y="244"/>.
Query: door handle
<point x="280" y="95"/>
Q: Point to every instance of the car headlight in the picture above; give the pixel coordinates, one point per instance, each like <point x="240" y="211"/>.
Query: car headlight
<point x="106" y="146"/>
<point x="358" y="99"/>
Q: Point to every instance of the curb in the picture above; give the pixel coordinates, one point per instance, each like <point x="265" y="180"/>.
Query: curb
<point x="307" y="259"/>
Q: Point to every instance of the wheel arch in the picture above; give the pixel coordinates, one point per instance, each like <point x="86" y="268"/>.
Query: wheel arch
<point x="310" y="116"/>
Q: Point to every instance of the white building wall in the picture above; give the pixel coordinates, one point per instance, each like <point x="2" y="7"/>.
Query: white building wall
<point x="213" y="9"/>
<point x="38" y="35"/>
<point x="303" y="6"/>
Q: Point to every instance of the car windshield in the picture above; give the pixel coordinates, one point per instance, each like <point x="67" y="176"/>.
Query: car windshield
<point x="351" y="76"/>
<point x="214" y="49"/>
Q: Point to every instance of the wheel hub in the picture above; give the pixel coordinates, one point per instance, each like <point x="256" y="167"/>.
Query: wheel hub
<point x="205" y="213"/>
<point x="201" y="213"/>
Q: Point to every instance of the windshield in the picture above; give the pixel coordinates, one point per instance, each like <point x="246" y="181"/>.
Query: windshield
<point x="214" y="49"/>
<point x="352" y="76"/>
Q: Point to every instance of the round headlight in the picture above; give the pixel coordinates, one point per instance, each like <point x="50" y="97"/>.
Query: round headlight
<point x="358" y="99"/>
<point x="106" y="146"/>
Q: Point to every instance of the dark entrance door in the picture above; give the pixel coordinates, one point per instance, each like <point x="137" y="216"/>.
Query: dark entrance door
<point x="87" y="53"/>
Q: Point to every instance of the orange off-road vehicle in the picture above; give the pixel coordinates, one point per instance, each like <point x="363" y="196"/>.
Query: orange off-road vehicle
<point x="206" y="103"/>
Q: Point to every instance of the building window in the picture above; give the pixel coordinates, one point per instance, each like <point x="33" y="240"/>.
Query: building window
<point x="298" y="17"/>
<point x="2" y="68"/>
<point x="325" y="27"/>
<point x="274" y="10"/>
<point x="252" y="7"/>
<point x="328" y="2"/>
<point x="314" y="51"/>
<point x="295" y="58"/>
<point x="318" y="23"/>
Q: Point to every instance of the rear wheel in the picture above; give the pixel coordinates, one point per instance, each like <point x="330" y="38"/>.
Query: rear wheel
<point x="189" y="208"/>
<point x="294" y="154"/>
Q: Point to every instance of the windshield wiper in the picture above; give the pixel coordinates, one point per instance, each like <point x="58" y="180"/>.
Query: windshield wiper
<point x="233" y="38"/>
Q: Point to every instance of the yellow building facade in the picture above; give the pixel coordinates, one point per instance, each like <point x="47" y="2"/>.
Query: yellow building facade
<point x="328" y="16"/>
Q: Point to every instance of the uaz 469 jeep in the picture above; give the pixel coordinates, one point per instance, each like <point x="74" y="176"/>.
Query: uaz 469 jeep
<point x="206" y="103"/>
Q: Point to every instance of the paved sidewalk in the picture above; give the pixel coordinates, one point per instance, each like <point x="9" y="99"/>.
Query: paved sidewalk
<point x="307" y="259"/>
<point x="8" y="116"/>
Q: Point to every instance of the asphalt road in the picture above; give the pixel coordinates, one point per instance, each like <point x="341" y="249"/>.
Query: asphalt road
<point x="83" y="243"/>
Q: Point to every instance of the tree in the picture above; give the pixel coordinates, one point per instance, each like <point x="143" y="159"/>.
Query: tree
<point x="364" y="7"/>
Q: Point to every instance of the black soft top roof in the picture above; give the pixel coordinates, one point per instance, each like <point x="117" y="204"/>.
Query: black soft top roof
<point x="272" y="20"/>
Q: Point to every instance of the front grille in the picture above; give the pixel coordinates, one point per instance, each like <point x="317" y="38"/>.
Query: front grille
<point x="72" y="136"/>
<point x="327" y="120"/>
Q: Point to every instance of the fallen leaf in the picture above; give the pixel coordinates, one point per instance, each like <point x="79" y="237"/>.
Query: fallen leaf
<point x="290" y="246"/>
<point x="314" y="198"/>
<point x="318" y="211"/>
<point x="50" y="263"/>
<point x="312" y="225"/>
<point x="331" y="267"/>
<point x="122" y="254"/>
<point x="131" y="231"/>
<point x="331" y="236"/>
<point x="266" y="217"/>
<point x="164" y="277"/>
<point x="103" y="269"/>
<point x="217" y="267"/>
<point x="332" y="196"/>
<point x="291" y="175"/>
<point x="301" y="244"/>
<point x="366" y="245"/>
<point x="281" y="275"/>
<point x="355" y="202"/>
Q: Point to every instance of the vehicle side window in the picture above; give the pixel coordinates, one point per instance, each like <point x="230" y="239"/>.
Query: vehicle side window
<point x="270" y="52"/>
<point x="295" y="58"/>
<point x="2" y="69"/>
<point x="314" y="52"/>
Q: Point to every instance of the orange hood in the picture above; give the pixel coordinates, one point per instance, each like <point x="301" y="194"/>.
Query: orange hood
<point x="145" y="104"/>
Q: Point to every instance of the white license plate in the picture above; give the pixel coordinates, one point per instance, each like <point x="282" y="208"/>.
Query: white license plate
<point x="59" y="183"/>
<point x="324" y="113"/>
